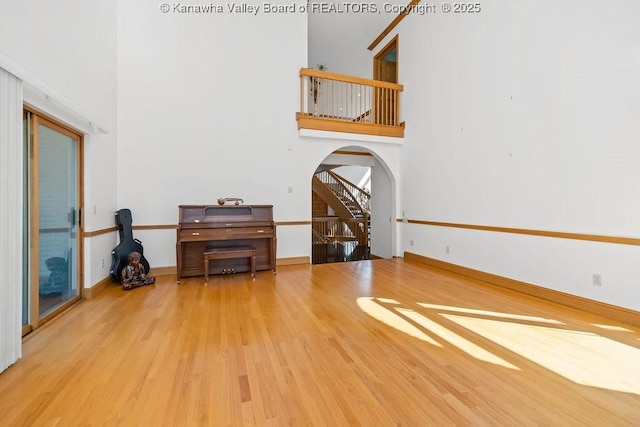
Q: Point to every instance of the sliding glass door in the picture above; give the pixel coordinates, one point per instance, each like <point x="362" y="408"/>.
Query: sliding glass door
<point x="53" y="234"/>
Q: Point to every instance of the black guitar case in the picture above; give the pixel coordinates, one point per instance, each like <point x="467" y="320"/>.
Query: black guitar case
<point x="120" y="254"/>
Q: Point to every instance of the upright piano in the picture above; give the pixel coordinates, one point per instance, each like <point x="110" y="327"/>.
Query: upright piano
<point x="202" y="228"/>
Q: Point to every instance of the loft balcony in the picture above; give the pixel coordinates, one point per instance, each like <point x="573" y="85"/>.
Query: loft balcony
<point x="341" y="103"/>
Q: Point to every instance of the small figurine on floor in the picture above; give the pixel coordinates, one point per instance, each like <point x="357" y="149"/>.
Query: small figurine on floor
<point x="133" y="274"/>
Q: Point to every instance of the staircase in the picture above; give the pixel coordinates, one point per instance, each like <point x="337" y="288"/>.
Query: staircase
<point x="347" y="200"/>
<point x="351" y="205"/>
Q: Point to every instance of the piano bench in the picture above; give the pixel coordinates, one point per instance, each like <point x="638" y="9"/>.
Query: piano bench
<point x="229" y="253"/>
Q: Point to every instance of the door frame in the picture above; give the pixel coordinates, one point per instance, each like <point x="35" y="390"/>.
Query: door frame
<point x="384" y="100"/>
<point x="379" y="57"/>
<point x="36" y="118"/>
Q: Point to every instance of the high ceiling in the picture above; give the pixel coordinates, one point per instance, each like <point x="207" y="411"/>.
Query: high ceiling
<point x="339" y="33"/>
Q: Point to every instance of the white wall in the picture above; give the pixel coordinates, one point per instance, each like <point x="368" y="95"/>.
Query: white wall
<point x="353" y="174"/>
<point x="339" y="41"/>
<point x="383" y="212"/>
<point x="526" y="115"/>
<point x="207" y="108"/>
<point x="339" y="37"/>
<point x="70" y="47"/>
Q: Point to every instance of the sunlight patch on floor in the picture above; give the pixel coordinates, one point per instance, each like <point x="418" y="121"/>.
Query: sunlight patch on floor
<point x="375" y="310"/>
<point x="583" y="357"/>
<point x="611" y="327"/>
<point x="455" y="339"/>
<point x="489" y="313"/>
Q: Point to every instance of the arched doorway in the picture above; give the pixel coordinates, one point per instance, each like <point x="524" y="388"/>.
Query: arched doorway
<point x="353" y="194"/>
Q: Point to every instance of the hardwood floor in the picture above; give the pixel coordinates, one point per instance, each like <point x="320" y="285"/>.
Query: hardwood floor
<point x="371" y="343"/>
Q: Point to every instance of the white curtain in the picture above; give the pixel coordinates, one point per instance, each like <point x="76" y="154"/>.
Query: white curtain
<point x="11" y="206"/>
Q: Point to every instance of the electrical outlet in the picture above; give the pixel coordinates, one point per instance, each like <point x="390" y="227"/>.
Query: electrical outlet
<point x="102" y="264"/>
<point x="446" y="249"/>
<point x="597" y="280"/>
<point x="411" y="242"/>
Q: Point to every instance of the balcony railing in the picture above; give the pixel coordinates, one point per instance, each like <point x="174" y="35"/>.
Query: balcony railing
<point x="334" y="229"/>
<point x="341" y="103"/>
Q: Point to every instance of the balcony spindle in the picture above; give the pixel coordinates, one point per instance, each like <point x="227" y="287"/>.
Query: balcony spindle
<point x="337" y="102"/>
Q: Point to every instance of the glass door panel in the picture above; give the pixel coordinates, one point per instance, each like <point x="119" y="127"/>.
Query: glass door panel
<point x="58" y="217"/>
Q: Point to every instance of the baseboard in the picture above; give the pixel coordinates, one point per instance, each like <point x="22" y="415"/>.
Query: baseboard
<point x="88" y="293"/>
<point x="293" y="261"/>
<point x="596" y="307"/>
<point x="162" y="271"/>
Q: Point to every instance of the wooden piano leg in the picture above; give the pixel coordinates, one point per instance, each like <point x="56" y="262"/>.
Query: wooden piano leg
<point x="206" y="269"/>
<point x="253" y="265"/>
<point x="178" y="259"/>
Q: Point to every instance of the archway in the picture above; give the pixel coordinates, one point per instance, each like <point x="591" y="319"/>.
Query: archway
<point x="353" y="199"/>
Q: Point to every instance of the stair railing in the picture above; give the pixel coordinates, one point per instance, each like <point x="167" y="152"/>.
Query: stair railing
<point x="356" y="200"/>
<point x="334" y="229"/>
<point x="347" y="191"/>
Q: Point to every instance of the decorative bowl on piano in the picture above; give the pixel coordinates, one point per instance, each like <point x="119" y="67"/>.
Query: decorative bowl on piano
<point x="223" y="200"/>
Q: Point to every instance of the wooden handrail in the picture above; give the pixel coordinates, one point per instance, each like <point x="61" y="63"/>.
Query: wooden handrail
<point x="335" y="229"/>
<point x="333" y="101"/>
<point x="393" y="24"/>
<point x="349" y="79"/>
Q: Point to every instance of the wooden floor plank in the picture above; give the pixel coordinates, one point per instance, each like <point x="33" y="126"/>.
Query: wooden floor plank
<point x="382" y="342"/>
